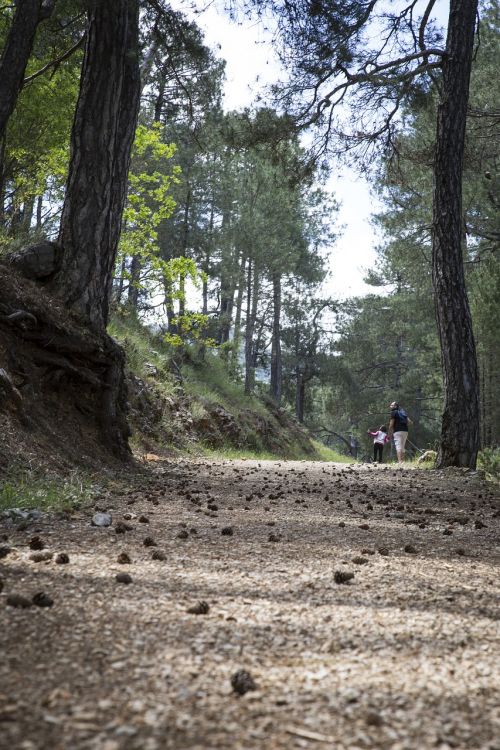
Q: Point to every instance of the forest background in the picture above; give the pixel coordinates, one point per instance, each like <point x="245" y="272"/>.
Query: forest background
<point x="227" y="227"/>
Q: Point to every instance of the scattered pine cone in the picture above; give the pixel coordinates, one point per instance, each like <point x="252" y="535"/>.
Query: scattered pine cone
<point x="242" y="681"/>
<point x="143" y="519"/>
<point x="410" y="549"/>
<point x="158" y="555"/>
<point x="41" y="556"/>
<point x="227" y="531"/>
<point x="36" y="543"/>
<point x="123" y="578"/>
<point x="182" y="534"/>
<point x="123" y="558"/>
<point x="62" y="558"/>
<point x="200" y="608"/>
<point x="42" y="599"/>
<point x="342" y="576"/>
<point x="149" y="542"/>
<point x="16" y="600"/>
<point x="121" y="528"/>
<point x="360" y="560"/>
<point x="4" y="551"/>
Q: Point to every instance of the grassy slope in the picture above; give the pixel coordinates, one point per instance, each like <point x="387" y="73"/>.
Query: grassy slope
<point x="204" y="410"/>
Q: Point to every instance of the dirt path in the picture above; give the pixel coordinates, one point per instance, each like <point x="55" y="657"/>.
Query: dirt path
<point x="406" y="655"/>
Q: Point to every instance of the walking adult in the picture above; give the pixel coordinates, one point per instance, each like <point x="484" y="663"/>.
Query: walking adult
<point x="398" y="428"/>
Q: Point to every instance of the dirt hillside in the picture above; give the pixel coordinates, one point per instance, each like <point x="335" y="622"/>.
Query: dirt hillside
<point x="269" y="605"/>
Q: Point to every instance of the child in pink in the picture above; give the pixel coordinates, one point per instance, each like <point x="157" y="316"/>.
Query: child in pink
<point x="380" y="438"/>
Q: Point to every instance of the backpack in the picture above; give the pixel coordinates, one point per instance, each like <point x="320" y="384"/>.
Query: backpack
<point x="402" y="416"/>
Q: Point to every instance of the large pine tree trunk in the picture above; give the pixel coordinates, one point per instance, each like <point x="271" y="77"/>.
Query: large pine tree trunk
<point x="16" y="54"/>
<point x="101" y="142"/>
<point x="460" y="425"/>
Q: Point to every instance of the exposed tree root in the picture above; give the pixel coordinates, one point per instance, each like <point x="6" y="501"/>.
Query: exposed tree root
<point x="64" y="374"/>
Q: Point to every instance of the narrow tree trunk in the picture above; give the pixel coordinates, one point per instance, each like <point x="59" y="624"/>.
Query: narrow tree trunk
<point x="28" y="207"/>
<point x="204" y="288"/>
<point x="2" y="181"/>
<point x="121" y="282"/>
<point x="133" y="286"/>
<point x="276" y="362"/>
<point x="101" y="142"/>
<point x="208" y="255"/>
<point x="39" y="208"/>
<point x="237" y="318"/>
<point x="160" y="99"/>
<point x="300" y="391"/>
<point x="252" y="299"/>
<point x="169" y="306"/>
<point x="460" y="426"/>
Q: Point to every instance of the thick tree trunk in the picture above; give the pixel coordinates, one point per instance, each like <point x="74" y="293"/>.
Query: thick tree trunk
<point x="101" y="142"/>
<point x="15" y="56"/>
<point x="460" y="425"/>
<point x="276" y="361"/>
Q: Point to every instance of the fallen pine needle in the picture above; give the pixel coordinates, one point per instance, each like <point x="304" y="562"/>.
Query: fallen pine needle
<point x="307" y="735"/>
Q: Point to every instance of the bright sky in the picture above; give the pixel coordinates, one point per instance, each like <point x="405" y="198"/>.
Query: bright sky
<point x="250" y="66"/>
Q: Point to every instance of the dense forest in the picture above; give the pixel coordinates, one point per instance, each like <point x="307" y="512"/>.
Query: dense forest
<point x="129" y="193"/>
<point x="208" y="539"/>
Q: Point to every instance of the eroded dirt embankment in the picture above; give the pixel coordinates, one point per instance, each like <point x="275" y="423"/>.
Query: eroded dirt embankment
<point x="403" y="655"/>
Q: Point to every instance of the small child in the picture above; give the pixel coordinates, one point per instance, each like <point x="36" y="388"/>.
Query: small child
<point x="380" y="438"/>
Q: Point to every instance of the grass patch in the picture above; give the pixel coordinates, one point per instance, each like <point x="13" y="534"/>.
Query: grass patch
<point x="489" y="462"/>
<point x="240" y="453"/>
<point x="209" y="380"/>
<point x="29" y="492"/>
<point x="144" y="351"/>
<point x="327" y="454"/>
<point x="322" y="454"/>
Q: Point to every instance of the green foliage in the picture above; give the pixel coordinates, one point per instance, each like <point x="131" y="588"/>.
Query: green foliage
<point x="28" y="491"/>
<point x="489" y="461"/>
<point x="38" y="133"/>
<point x="149" y="201"/>
<point x="189" y="327"/>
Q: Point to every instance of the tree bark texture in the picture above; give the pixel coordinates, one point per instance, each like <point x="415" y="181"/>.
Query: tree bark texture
<point x="460" y="423"/>
<point x="252" y="303"/>
<point x="133" y="284"/>
<point x="300" y="392"/>
<point x="101" y="142"/>
<point x="15" y="56"/>
<point x="276" y="361"/>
